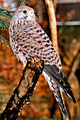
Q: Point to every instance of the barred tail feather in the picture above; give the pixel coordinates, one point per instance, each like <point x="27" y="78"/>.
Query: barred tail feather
<point x="56" y="90"/>
<point x="57" y="94"/>
<point x="60" y="100"/>
<point x="56" y="75"/>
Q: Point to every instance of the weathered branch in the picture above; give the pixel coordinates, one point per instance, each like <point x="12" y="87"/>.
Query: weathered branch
<point x="55" y="4"/>
<point x="53" y="28"/>
<point x="26" y="86"/>
<point x="52" y="23"/>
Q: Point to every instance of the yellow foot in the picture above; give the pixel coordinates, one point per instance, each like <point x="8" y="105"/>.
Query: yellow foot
<point x="24" y="65"/>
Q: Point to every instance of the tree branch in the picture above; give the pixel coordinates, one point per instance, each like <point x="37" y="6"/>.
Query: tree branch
<point x="52" y="23"/>
<point x="26" y="86"/>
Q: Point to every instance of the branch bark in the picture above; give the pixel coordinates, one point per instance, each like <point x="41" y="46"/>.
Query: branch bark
<point x="52" y="23"/>
<point x="53" y="27"/>
<point x="26" y="86"/>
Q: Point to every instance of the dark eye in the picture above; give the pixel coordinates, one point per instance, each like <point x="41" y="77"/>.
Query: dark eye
<point x="25" y="11"/>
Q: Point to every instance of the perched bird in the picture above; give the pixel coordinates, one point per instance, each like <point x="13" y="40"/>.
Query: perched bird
<point x="28" y="39"/>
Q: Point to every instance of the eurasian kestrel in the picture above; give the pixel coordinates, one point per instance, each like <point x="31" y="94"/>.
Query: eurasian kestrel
<point x="28" y="39"/>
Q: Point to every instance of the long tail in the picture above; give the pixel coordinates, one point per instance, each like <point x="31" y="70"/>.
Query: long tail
<point x="59" y="99"/>
<point x="57" y="94"/>
<point x="56" y="75"/>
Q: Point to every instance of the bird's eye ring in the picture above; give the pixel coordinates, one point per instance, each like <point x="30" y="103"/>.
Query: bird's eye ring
<point x="25" y="11"/>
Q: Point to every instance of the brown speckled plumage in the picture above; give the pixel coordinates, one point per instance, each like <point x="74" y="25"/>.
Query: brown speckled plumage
<point x="31" y="40"/>
<point x="27" y="39"/>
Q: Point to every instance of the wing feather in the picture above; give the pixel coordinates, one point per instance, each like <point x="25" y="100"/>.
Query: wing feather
<point x="56" y="74"/>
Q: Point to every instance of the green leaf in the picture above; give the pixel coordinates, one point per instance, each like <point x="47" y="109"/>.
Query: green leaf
<point x="3" y="39"/>
<point x="23" y="2"/>
<point x="4" y="24"/>
<point x="5" y="13"/>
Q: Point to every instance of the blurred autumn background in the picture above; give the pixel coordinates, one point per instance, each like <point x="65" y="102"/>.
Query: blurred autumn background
<point x="42" y="104"/>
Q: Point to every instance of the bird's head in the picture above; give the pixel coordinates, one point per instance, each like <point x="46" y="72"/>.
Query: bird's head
<point x="24" y="12"/>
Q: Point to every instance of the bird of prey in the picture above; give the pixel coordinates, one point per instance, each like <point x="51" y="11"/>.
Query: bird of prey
<point x="27" y="39"/>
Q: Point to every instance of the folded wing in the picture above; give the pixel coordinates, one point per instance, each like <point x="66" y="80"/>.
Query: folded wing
<point x="56" y="75"/>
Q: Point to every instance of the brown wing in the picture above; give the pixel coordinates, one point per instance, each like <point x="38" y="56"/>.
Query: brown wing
<point x="30" y="40"/>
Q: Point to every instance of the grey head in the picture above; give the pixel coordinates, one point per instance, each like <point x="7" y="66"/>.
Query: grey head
<point x="24" y="12"/>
